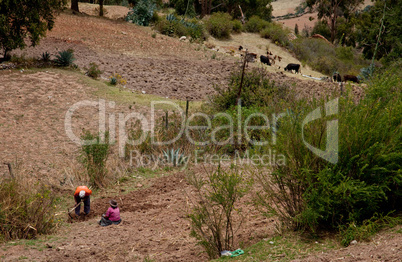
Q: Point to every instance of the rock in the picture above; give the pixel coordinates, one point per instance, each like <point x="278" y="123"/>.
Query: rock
<point x="354" y="242"/>
<point x="139" y="185"/>
<point x="183" y="38"/>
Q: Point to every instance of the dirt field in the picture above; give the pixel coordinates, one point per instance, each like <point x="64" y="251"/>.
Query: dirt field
<point x="33" y="105"/>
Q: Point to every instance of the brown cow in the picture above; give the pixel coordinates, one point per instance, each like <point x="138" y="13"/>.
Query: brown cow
<point x="350" y="78"/>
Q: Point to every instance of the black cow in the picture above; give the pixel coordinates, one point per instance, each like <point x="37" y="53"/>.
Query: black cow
<point x="350" y="78"/>
<point x="337" y="77"/>
<point x="265" y="60"/>
<point x="291" y="67"/>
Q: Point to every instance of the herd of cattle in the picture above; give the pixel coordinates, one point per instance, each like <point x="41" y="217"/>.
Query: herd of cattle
<point x="269" y="60"/>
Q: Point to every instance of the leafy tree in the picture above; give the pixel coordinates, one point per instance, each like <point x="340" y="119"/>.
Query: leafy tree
<point x="20" y="19"/>
<point x="368" y="27"/>
<point x="331" y="10"/>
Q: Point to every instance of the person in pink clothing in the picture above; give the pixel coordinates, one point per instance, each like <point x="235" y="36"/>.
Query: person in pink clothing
<point x="112" y="215"/>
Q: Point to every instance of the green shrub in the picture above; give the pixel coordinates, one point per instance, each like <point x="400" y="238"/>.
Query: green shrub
<point x="172" y="26"/>
<point x="219" y="25"/>
<point x="142" y="13"/>
<point x="27" y="210"/>
<point x="94" y="156"/>
<point x="255" y="24"/>
<point x="369" y="227"/>
<point x="113" y="80"/>
<point x="365" y="180"/>
<point x="321" y="27"/>
<point x="45" y="57"/>
<point x="277" y="34"/>
<point x="93" y="70"/>
<point x="212" y="218"/>
<point x="326" y="58"/>
<point x="257" y="91"/>
<point x="237" y="26"/>
<point x="64" y="58"/>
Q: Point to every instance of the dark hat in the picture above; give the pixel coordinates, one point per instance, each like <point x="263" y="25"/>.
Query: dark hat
<point x="113" y="203"/>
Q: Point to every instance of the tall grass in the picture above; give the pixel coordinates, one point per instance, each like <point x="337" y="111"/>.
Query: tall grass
<point x="27" y="209"/>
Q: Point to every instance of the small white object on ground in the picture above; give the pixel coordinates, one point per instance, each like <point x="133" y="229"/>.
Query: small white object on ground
<point x="226" y="253"/>
<point x="183" y="38"/>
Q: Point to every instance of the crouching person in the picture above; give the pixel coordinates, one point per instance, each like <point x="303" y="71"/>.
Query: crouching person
<point x="112" y="215"/>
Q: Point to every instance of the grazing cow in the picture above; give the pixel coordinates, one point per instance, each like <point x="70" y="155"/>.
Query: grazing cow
<point x="337" y="77"/>
<point x="291" y="67"/>
<point x="350" y="78"/>
<point x="265" y="60"/>
<point x="251" y="57"/>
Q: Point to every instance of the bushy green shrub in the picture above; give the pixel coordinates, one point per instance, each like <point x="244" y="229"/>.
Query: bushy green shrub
<point x="27" y="210"/>
<point x="255" y="24"/>
<point x="321" y="27"/>
<point x="64" y="58"/>
<point x="277" y="33"/>
<point x="142" y="13"/>
<point x="237" y="26"/>
<point x="326" y="58"/>
<point x="94" y="156"/>
<point x="172" y="26"/>
<point x="93" y="70"/>
<point x="212" y="217"/>
<point x="365" y="180"/>
<point x="220" y="25"/>
<point x="257" y="91"/>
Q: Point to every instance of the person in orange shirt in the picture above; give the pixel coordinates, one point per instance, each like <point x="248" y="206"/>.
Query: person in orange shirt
<point x="82" y="193"/>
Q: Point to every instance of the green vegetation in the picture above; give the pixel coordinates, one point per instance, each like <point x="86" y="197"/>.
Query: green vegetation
<point x="286" y="247"/>
<point x="95" y="153"/>
<point x="365" y="180"/>
<point x="220" y="25"/>
<point x="142" y="13"/>
<point x="15" y="25"/>
<point x="174" y="26"/>
<point x="93" y="70"/>
<point x="277" y="33"/>
<point x="64" y="58"/>
<point x="192" y="8"/>
<point x="27" y="209"/>
<point x="255" y="24"/>
<point x="212" y="218"/>
<point x="326" y="58"/>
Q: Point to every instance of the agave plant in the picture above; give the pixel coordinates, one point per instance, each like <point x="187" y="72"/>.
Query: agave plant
<point x="45" y="57"/>
<point x="171" y="17"/>
<point x="64" y="58"/>
<point x="174" y="157"/>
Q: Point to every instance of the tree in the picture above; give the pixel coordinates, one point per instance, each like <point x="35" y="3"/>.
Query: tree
<point x="332" y="9"/>
<point x="20" y="19"/>
<point x="74" y="5"/>
<point x="390" y="39"/>
<point x="100" y="7"/>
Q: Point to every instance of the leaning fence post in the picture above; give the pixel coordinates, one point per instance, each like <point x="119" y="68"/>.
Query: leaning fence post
<point x="10" y="170"/>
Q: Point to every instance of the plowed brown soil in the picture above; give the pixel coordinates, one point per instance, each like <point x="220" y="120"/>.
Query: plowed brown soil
<point x="32" y="111"/>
